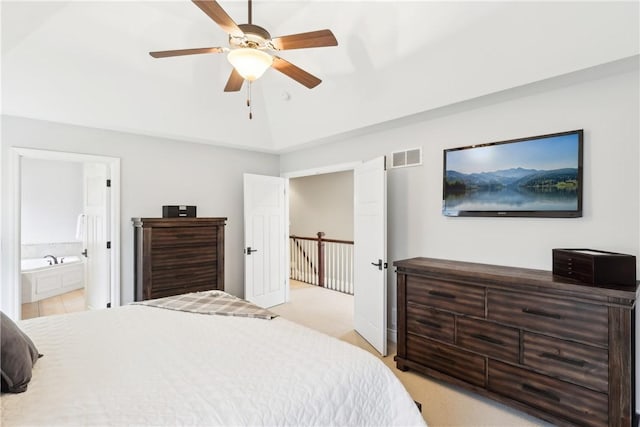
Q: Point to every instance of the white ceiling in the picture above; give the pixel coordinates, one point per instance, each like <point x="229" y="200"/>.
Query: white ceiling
<point x="87" y="62"/>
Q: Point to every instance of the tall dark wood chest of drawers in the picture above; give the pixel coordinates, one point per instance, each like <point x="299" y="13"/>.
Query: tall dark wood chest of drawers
<point x="559" y="350"/>
<point x="177" y="255"/>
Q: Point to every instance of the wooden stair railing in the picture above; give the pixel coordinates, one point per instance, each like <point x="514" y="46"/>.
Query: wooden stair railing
<point x="334" y="271"/>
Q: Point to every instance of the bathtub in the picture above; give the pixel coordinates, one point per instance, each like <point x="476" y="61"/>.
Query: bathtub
<point x="41" y="280"/>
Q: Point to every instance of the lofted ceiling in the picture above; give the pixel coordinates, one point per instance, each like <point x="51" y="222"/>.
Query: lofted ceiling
<point x="87" y="63"/>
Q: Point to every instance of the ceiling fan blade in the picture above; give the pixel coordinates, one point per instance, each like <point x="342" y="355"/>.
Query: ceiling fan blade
<point x="297" y="74"/>
<point x="320" y="38"/>
<point x="235" y="82"/>
<point x="180" y="52"/>
<point x="217" y="13"/>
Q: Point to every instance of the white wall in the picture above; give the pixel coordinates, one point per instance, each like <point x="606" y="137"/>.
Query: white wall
<point x="51" y="200"/>
<point x="154" y="172"/>
<point x="603" y="101"/>
<point x="322" y="203"/>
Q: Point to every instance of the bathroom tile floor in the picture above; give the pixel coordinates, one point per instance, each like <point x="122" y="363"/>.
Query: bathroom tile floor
<point x="60" y="304"/>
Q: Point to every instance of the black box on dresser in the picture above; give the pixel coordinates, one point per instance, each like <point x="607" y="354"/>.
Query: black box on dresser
<point x="595" y="267"/>
<point x="178" y="211"/>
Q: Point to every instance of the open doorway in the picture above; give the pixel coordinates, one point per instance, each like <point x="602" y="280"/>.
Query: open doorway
<point x="321" y="230"/>
<point x="321" y="249"/>
<point x="76" y="231"/>
<point x="52" y="266"/>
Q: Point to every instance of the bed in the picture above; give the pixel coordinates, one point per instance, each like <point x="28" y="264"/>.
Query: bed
<point x="144" y="365"/>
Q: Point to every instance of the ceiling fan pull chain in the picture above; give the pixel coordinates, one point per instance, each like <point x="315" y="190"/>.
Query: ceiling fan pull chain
<point x="249" y="101"/>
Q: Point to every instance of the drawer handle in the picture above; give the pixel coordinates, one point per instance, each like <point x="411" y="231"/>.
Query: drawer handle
<point x="541" y="313"/>
<point x="441" y="294"/>
<point x="488" y="339"/>
<point x="540" y="392"/>
<point x="574" y="362"/>
<point x="429" y="323"/>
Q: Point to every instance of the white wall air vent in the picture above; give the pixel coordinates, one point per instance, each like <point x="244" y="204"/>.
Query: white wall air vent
<point x="403" y="159"/>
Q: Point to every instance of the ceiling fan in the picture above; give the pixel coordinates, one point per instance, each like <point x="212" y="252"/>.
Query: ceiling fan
<point x="250" y="46"/>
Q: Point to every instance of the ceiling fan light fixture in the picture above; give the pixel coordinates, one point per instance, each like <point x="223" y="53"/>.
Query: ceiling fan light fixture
<point x="250" y="63"/>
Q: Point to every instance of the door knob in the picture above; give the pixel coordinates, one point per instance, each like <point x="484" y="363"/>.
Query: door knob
<point x="250" y="251"/>
<point x="378" y="264"/>
<point x="84" y="253"/>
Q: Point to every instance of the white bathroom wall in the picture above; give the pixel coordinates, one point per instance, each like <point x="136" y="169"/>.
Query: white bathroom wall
<point x="322" y="203"/>
<point x="39" y="250"/>
<point x="51" y="200"/>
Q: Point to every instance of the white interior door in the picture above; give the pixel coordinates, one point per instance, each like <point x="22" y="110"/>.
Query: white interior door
<point x="370" y="253"/>
<point x="96" y="235"/>
<point x="265" y="240"/>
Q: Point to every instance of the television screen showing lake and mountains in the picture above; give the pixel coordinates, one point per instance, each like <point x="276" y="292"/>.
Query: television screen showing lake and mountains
<point x="536" y="175"/>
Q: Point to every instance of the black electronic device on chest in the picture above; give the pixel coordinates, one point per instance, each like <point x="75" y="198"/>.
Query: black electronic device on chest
<point x="178" y="211"/>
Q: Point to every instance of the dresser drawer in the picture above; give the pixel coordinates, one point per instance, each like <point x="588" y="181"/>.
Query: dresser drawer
<point x="182" y="256"/>
<point x="562" y="318"/>
<point x="446" y="295"/>
<point x="179" y="290"/>
<point x="576" y="404"/>
<point x="580" y="364"/>
<point x="446" y="359"/>
<point x="184" y="277"/>
<point x="184" y="236"/>
<point x="167" y="292"/>
<point x="488" y="338"/>
<point x="429" y="322"/>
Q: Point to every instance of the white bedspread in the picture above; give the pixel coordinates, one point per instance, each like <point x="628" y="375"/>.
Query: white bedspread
<point x="138" y="365"/>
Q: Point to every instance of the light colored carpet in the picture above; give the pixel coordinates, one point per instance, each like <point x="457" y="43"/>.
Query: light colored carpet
<point x="321" y="309"/>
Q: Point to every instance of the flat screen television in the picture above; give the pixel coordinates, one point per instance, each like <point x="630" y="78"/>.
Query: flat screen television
<point x="538" y="176"/>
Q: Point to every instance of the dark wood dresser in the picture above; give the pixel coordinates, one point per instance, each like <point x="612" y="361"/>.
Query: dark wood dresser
<point x="177" y="255"/>
<point x="559" y="350"/>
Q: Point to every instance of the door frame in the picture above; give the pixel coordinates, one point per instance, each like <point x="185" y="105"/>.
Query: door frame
<point x="10" y="300"/>
<point x="342" y="167"/>
<point x="299" y="174"/>
<point x="321" y="170"/>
